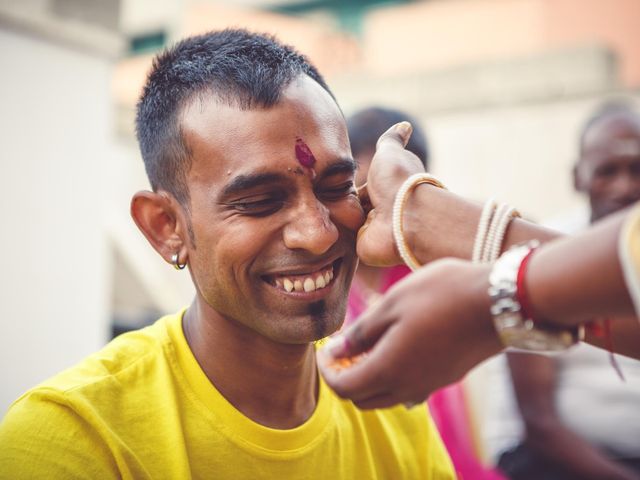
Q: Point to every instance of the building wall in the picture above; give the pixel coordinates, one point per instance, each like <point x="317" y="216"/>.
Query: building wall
<point x="439" y="34"/>
<point x="54" y="129"/>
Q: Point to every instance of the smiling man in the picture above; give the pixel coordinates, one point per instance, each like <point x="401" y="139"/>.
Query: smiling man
<point x="252" y="190"/>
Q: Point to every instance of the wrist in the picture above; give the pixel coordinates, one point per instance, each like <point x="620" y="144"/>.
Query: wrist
<point x="402" y="197"/>
<point x="481" y="303"/>
<point x="439" y="224"/>
<point x="476" y="301"/>
<point x="516" y="322"/>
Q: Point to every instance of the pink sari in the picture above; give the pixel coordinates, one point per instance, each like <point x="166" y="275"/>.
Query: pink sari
<point x="447" y="406"/>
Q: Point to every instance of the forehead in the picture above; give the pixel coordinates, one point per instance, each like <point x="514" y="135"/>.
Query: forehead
<point x="612" y="136"/>
<point x="224" y="138"/>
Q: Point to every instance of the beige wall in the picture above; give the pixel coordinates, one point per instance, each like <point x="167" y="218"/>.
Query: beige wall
<point x="54" y="128"/>
<point x="443" y="33"/>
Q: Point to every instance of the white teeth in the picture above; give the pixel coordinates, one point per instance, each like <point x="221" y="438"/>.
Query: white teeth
<point x="309" y="285"/>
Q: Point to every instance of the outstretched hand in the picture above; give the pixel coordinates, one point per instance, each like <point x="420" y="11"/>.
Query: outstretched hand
<point x="426" y="332"/>
<point x="391" y="165"/>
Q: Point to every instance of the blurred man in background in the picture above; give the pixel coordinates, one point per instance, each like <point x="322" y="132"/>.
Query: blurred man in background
<point x="581" y="420"/>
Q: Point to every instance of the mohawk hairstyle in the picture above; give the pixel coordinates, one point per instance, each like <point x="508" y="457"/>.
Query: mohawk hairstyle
<point x="240" y="68"/>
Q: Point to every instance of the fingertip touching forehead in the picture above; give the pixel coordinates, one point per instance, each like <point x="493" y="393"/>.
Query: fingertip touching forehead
<point x="239" y="68"/>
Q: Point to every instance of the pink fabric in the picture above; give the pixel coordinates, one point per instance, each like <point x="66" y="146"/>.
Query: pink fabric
<point x="357" y="299"/>
<point x="447" y="405"/>
<point x="449" y="412"/>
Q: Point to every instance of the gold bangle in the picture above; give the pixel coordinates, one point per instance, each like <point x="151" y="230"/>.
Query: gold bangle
<point x="398" y="210"/>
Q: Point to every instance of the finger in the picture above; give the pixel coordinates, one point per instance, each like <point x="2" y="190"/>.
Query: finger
<point x="363" y="334"/>
<point x="369" y="375"/>
<point x="397" y="135"/>
<point x="365" y="200"/>
<point x="365" y="226"/>
<point x="351" y="382"/>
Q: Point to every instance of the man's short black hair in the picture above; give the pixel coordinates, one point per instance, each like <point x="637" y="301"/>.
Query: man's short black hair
<point x="366" y="126"/>
<point x="239" y="68"/>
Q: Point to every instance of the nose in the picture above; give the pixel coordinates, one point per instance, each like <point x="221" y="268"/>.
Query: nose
<point x="310" y="228"/>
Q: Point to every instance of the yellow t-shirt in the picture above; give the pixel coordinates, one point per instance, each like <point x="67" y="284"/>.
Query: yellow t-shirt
<point x="142" y="408"/>
<point x="629" y="252"/>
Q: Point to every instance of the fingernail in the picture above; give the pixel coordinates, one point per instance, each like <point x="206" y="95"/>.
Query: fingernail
<point x="404" y="128"/>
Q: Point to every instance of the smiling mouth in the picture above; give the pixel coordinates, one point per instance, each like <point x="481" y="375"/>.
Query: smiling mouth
<point x="305" y="282"/>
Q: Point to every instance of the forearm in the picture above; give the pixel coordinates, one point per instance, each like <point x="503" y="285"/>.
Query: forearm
<point x="560" y="445"/>
<point x="534" y="380"/>
<point x="431" y="210"/>
<point x="569" y="280"/>
<point x="574" y="279"/>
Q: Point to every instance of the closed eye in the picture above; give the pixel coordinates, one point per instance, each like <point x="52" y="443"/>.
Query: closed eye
<point x="258" y="206"/>
<point x="336" y="192"/>
<point x="606" y="171"/>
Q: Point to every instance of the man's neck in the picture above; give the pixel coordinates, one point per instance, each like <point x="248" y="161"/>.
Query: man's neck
<point x="273" y="384"/>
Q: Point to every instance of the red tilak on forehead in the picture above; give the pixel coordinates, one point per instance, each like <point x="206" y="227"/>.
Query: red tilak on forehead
<point x="304" y="154"/>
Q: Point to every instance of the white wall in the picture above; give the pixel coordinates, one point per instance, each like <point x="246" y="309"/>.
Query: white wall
<point x="55" y="121"/>
<point x="521" y="154"/>
<point x="507" y="129"/>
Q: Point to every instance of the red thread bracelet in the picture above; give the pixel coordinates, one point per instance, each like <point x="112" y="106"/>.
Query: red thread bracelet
<point x="521" y="294"/>
<point x="595" y="328"/>
<point x="603" y="330"/>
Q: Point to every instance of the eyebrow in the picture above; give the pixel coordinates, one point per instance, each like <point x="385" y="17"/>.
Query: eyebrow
<point x="342" y="165"/>
<point x="243" y="183"/>
<point x="246" y="182"/>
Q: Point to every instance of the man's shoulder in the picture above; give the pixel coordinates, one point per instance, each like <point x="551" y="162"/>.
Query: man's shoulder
<point x="128" y="355"/>
<point x="120" y="366"/>
<point x="81" y="413"/>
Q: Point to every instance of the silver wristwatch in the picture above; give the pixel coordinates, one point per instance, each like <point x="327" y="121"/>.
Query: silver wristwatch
<point x="513" y="328"/>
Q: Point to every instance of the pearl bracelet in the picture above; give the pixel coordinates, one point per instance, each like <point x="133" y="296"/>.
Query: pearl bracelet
<point x="398" y="209"/>
<point x="492" y="227"/>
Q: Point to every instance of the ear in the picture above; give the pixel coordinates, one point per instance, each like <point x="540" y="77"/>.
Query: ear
<point x="161" y="219"/>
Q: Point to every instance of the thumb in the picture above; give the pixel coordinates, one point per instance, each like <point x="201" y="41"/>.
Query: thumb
<point x="399" y="134"/>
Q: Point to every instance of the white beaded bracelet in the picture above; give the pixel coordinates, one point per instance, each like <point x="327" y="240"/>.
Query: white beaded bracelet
<point x="398" y="209"/>
<point x="492" y="227"/>
<point x="492" y="233"/>
<point x="503" y="219"/>
<point x="483" y="227"/>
